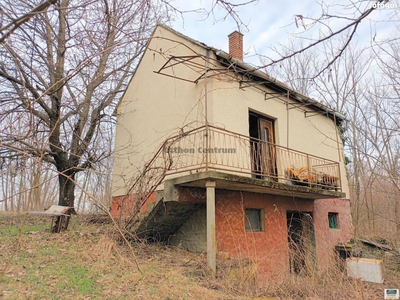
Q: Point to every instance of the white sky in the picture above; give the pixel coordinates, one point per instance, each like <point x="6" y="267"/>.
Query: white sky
<point x="272" y="22"/>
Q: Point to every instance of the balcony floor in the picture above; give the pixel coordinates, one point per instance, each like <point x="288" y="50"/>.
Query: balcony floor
<point x="241" y="183"/>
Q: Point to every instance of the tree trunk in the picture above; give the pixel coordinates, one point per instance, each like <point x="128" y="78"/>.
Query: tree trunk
<point x="66" y="197"/>
<point x="66" y="182"/>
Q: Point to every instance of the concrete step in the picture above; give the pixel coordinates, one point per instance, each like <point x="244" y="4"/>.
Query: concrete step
<point x="163" y="219"/>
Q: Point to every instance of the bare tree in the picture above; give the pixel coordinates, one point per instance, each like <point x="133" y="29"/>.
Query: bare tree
<point x="383" y="126"/>
<point x="63" y="67"/>
<point x="349" y="16"/>
<point x="297" y="71"/>
<point x="8" y="29"/>
<point x="61" y="73"/>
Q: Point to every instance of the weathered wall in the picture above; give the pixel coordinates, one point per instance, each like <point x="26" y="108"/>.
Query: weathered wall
<point x="126" y="206"/>
<point x="267" y="249"/>
<point x="329" y="237"/>
<point x="192" y="235"/>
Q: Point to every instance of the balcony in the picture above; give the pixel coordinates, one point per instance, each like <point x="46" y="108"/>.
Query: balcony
<point x="234" y="162"/>
<point x="210" y="148"/>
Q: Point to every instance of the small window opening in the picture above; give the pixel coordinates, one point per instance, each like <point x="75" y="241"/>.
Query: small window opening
<point x="254" y="219"/>
<point x="333" y="220"/>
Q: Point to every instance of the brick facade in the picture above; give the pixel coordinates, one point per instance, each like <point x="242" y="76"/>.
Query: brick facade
<point x="122" y="206"/>
<point x="268" y="249"/>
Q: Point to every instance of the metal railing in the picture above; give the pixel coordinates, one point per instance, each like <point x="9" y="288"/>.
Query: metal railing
<point x="212" y="148"/>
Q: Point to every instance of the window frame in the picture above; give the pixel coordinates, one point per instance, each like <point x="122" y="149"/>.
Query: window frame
<point x="248" y="224"/>
<point x="335" y="217"/>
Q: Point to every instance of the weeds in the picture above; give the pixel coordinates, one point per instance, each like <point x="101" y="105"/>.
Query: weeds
<point x="89" y="261"/>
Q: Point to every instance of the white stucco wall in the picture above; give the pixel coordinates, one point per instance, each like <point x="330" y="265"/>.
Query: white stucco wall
<point x="314" y="134"/>
<point x="155" y="107"/>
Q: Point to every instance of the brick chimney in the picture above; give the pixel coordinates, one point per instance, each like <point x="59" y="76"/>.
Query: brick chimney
<point x="236" y="45"/>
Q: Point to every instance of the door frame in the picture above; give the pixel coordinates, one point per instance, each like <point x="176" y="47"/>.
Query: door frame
<point x="301" y="241"/>
<point x="262" y="146"/>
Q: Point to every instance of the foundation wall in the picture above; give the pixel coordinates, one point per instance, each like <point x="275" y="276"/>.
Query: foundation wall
<point x="268" y="249"/>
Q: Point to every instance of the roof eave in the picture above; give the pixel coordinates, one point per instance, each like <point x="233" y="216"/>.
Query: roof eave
<point x="271" y="80"/>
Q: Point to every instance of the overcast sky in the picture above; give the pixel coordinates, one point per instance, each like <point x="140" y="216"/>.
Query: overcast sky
<point x="269" y="23"/>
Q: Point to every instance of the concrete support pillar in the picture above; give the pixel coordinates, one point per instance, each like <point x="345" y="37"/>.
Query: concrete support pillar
<point x="211" y="234"/>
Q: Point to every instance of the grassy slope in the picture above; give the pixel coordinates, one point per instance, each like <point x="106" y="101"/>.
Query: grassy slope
<point x="89" y="261"/>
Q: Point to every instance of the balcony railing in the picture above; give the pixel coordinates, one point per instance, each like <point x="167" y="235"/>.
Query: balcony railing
<point x="210" y="148"/>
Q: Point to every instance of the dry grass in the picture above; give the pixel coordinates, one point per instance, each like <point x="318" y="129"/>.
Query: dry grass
<point x="89" y="261"/>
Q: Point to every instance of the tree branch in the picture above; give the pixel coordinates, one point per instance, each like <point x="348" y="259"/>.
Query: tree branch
<point x="354" y="23"/>
<point x="21" y="20"/>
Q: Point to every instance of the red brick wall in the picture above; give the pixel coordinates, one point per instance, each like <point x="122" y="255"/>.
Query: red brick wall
<point x="326" y="237"/>
<point x="125" y="205"/>
<point x="269" y="249"/>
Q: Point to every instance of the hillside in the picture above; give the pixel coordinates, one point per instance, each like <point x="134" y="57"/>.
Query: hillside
<point x="91" y="261"/>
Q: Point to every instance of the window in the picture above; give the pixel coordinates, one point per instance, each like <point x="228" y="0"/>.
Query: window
<point x="333" y="220"/>
<point x="254" y="219"/>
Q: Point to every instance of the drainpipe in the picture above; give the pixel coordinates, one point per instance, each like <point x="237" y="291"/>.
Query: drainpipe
<point x="287" y="118"/>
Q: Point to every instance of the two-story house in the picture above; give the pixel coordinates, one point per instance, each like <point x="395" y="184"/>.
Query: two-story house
<point x="216" y="156"/>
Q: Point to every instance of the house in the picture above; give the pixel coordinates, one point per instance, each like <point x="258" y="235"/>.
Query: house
<point x="216" y="156"/>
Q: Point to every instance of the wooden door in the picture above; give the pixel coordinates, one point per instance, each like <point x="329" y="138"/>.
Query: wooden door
<point x="267" y="155"/>
<point x="262" y="140"/>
